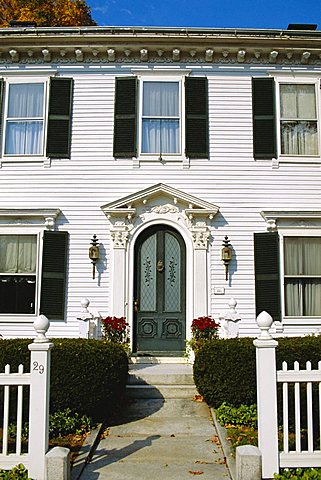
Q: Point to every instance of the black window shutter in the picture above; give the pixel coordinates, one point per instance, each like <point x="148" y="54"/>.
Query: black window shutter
<point x="267" y="274"/>
<point x="264" y="126"/>
<point x="54" y="272"/>
<point x="59" y="117"/>
<point x="196" y="121"/>
<point x="1" y="106"/>
<point x="125" y="117"/>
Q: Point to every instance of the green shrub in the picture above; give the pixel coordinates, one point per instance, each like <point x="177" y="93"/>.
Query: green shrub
<point x="237" y="416"/>
<point x="66" y="422"/>
<point x="16" y="473"/>
<point x="299" y="474"/>
<point x="225" y="369"/>
<point x="87" y="376"/>
<point x="61" y="423"/>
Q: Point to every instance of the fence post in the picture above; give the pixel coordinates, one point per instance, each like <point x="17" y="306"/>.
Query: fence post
<point x="39" y="399"/>
<point x="267" y="396"/>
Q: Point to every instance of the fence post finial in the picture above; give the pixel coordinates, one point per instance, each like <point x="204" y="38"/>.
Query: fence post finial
<point x="41" y="325"/>
<point x="264" y="321"/>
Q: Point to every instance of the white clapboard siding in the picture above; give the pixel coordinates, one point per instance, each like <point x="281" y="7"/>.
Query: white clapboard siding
<point x="230" y="178"/>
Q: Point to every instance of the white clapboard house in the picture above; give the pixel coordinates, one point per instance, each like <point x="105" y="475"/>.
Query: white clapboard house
<point x="162" y="142"/>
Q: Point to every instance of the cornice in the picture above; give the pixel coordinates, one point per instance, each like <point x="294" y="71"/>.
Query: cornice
<point x="79" y="46"/>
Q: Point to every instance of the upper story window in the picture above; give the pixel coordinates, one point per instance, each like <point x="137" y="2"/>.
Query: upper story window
<point x="24" y="131"/>
<point x="285" y="119"/>
<point x="161" y="118"/>
<point x="298" y="120"/>
<point x="35" y="123"/>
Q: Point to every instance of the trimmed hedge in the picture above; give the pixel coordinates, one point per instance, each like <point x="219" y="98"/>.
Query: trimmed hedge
<point x="88" y="376"/>
<point x="225" y="369"/>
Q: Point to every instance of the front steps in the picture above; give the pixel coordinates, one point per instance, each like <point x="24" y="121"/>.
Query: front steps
<point x="161" y="380"/>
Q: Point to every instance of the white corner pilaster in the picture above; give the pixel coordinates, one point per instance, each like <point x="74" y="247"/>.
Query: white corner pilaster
<point x="118" y="280"/>
<point x="200" y="242"/>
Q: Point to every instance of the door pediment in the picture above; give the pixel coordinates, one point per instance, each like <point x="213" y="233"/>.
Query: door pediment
<point x="160" y="199"/>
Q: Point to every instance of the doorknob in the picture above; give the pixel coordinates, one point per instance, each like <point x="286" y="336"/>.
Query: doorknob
<point x="160" y="266"/>
<point x="136" y="305"/>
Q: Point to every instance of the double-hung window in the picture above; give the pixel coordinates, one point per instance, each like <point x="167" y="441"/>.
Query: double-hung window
<point x="302" y="276"/>
<point x="285" y="118"/>
<point x="161" y="124"/>
<point x="35" y="117"/>
<point x="298" y="119"/>
<point x="288" y="273"/>
<point x="161" y="117"/>
<point x="33" y="270"/>
<point x="24" y="127"/>
<point x="18" y="273"/>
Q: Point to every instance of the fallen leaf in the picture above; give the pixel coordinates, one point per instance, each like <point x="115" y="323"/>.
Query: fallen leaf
<point x="199" y="472"/>
<point x="198" y="398"/>
<point x="203" y="462"/>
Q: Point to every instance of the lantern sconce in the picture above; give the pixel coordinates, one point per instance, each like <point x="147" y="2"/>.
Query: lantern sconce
<point x="226" y="255"/>
<point x="94" y="253"/>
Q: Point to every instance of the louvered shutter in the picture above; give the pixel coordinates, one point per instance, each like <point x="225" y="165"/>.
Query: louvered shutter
<point x="1" y="106"/>
<point x="59" y="117"/>
<point x="264" y="123"/>
<point x="125" y="120"/>
<point x="196" y="121"/>
<point x="54" y="271"/>
<point x="267" y="274"/>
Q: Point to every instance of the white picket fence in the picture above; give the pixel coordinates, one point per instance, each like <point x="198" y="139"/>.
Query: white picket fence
<point x="299" y="383"/>
<point x="38" y="381"/>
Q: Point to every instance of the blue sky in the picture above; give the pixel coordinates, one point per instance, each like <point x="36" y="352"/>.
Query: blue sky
<point x="206" y="13"/>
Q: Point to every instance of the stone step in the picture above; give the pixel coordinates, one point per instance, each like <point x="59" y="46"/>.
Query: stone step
<point x="157" y="360"/>
<point x="161" y="381"/>
<point x="161" y="391"/>
<point x="164" y="379"/>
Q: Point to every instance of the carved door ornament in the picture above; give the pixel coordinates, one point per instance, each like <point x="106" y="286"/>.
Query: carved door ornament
<point x="160" y="266"/>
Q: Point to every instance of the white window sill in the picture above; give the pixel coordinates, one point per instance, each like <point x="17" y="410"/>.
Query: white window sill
<point x="163" y="160"/>
<point x="17" y="318"/>
<point x="302" y="321"/>
<point x="299" y="159"/>
<point x="26" y="159"/>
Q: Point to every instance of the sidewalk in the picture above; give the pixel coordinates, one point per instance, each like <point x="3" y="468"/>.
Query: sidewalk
<point x="170" y="439"/>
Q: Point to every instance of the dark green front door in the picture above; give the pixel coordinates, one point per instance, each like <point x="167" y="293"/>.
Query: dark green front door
<point x="159" y="300"/>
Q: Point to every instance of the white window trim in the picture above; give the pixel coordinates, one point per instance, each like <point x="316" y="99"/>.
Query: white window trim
<point x="9" y="80"/>
<point x="304" y="223"/>
<point x="162" y="77"/>
<point x="297" y="79"/>
<point x="295" y="232"/>
<point x="27" y="222"/>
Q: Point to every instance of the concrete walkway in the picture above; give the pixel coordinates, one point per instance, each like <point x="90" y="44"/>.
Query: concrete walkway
<point x="160" y="438"/>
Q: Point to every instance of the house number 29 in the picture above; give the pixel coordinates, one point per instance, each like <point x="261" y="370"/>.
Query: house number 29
<point x="39" y="368"/>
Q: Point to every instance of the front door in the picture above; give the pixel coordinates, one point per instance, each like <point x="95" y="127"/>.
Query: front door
<point x="159" y="299"/>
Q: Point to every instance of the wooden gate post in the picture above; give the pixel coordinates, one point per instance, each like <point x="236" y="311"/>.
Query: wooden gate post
<point x="39" y="399"/>
<point x="267" y="397"/>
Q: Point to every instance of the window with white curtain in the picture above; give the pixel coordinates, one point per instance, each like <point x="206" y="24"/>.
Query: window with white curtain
<point x="298" y="117"/>
<point x="18" y="270"/>
<point x="161" y="123"/>
<point x="302" y="276"/>
<point x="24" y="125"/>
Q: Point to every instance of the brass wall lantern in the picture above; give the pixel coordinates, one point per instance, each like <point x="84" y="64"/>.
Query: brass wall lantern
<point x="94" y="253"/>
<point x="226" y="255"/>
